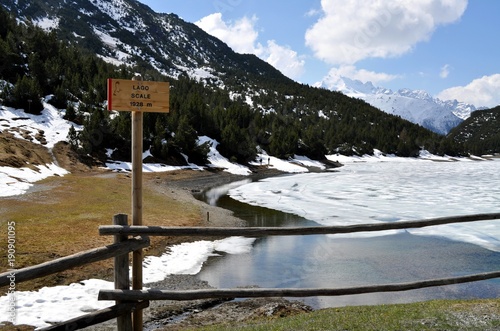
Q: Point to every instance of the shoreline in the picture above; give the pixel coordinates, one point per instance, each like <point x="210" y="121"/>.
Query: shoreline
<point x="177" y="315"/>
<point x="182" y="185"/>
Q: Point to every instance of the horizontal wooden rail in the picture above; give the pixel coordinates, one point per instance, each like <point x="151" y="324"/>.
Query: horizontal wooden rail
<point x="97" y="317"/>
<point x="287" y="231"/>
<point x="71" y="261"/>
<point x="153" y="294"/>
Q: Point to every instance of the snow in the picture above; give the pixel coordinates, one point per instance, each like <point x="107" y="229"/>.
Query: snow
<point x="214" y="157"/>
<point x="56" y="304"/>
<point x="61" y="303"/>
<point x="218" y="161"/>
<point x="15" y="181"/>
<point x="297" y="164"/>
<point x="307" y="162"/>
<point x="121" y="59"/>
<point x="120" y="166"/>
<point x="378" y="156"/>
<point x="47" y="23"/>
<point x="107" y="39"/>
<point x="188" y="258"/>
<point x="51" y="122"/>
<point x="116" y="10"/>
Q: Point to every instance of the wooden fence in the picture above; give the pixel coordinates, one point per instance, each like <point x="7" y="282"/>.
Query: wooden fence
<point x="128" y="301"/>
<point x="154" y="294"/>
<point x="119" y="250"/>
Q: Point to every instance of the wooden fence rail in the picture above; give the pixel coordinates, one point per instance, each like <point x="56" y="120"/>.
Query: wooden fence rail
<point x="155" y="294"/>
<point x="97" y="317"/>
<point x="71" y="261"/>
<point x="288" y="231"/>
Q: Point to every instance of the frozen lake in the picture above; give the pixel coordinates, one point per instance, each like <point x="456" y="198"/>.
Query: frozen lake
<point x="369" y="192"/>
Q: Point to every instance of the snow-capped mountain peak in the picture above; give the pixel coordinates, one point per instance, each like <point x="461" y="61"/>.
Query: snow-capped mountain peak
<point x="416" y="94"/>
<point x="416" y="106"/>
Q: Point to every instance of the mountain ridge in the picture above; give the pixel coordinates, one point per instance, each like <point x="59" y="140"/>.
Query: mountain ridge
<point x="417" y="106"/>
<point x="128" y="32"/>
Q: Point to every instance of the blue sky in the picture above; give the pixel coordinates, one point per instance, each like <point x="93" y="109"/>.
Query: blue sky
<point x="450" y="48"/>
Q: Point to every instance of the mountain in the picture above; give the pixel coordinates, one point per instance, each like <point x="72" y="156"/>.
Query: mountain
<point x="238" y="100"/>
<point x="416" y="106"/>
<point x="129" y="32"/>
<point x="480" y="133"/>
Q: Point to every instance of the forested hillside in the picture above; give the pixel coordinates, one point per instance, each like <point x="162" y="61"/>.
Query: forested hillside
<point x="258" y="108"/>
<point x="480" y="133"/>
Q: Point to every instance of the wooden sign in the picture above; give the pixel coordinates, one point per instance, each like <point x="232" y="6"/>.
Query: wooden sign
<point x="132" y="95"/>
<point x="137" y="96"/>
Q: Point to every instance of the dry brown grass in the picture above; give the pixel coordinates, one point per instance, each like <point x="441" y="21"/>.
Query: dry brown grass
<point x="21" y="153"/>
<point x="62" y="215"/>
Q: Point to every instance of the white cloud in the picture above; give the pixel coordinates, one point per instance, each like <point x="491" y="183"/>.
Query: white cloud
<point x="313" y="12"/>
<point x="350" y="71"/>
<point x="242" y="36"/>
<point x="445" y="71"/>
<point x="350" y="31"/>
<point x="481" y="92"/>
<point x="285" y="59"/>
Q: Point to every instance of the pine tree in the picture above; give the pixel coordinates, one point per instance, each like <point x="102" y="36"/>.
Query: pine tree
<point x="73" y="138"/>
<point x="26" y="95"/>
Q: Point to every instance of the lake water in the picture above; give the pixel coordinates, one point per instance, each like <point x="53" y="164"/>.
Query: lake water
<point x="367" y="192"/>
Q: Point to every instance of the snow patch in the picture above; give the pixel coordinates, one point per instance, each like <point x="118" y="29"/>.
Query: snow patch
<point x="218" y="161"/>
<point x="47" y="23"/>
<point x="60" y="303"/>
<point x="17" y="181"/>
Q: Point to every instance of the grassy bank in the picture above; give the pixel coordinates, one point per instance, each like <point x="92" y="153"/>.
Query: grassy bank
<point x="61" y="216"/>
<point x="480" y="315"/>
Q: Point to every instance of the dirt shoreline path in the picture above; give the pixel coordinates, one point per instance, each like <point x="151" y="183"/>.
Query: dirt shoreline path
<point x="178" y="315"/>
<point x="182" y="185"/>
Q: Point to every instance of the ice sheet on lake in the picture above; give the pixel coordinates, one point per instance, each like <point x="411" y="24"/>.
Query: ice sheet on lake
<point x="372" y="192"/>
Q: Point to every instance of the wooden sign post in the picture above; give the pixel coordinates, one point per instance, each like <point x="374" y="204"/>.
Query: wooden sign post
<point x="137" y="96"/>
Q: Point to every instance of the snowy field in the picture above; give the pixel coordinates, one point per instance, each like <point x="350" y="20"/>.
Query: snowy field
<point x="15" y="181"/>
<point x="60" y="303"/>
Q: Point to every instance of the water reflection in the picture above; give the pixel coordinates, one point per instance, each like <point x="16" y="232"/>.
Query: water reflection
<point x="254" y="216"/>
<point x="211" y="196"/>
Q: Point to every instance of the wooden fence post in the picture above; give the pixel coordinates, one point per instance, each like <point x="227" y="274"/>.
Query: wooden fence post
<point x="121" y="277"/>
